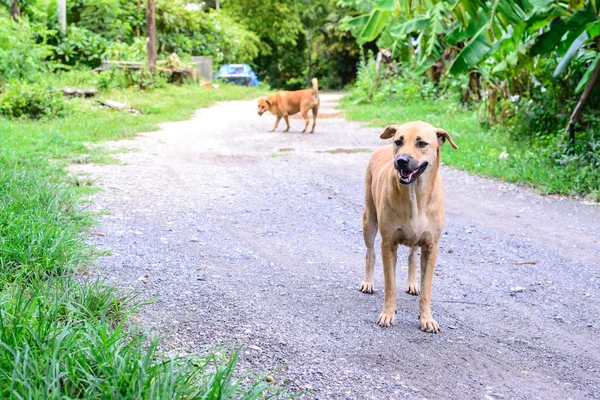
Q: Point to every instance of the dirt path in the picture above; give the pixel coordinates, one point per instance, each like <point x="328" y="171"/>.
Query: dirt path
<point x="255" y="237"/>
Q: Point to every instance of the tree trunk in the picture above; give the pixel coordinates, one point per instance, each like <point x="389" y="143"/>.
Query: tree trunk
<point x="581" y="104"/>
<point x="137" y="28"/>
<point x="309" y="43"/>
<point x="151" y="35"/>
<point x="62" y="15"/>
<point x="15" y="11"/>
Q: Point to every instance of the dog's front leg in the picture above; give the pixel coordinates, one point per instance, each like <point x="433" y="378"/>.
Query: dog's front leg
<point x="389" y="254"/>
<point x="276" y="123"/>
<point x="411" y="282"/>
<point x="428" y="258"/>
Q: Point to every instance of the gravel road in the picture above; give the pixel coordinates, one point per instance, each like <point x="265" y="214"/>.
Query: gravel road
<point x="254" y="237"/>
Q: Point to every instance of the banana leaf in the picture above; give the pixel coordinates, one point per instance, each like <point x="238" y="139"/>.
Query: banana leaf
<point x="475" y="51"/>
<point x="571" y="52"/>
<point x="588" y="74"/>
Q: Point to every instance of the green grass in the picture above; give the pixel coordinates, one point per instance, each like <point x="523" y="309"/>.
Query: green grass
<point x="63" y="336"/>
<point x="480" y="147"/>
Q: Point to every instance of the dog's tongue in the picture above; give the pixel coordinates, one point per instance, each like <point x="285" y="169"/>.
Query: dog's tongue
<point x="406" y="174"/>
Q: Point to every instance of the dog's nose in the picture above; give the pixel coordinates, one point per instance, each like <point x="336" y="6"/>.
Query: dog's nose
<point x="402" y="162"/>
<point x="259" y="113"/>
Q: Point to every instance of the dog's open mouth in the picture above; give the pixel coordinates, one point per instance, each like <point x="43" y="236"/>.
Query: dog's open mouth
<point x="406" y="177"/>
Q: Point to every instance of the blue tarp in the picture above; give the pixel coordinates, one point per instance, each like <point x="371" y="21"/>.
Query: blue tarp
<point x="238" y="73"/>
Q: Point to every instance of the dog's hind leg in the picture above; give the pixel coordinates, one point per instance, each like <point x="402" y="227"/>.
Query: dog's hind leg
<point x="412" y="287"/>
<point x="306" y="120"/>
<point x="287" y="122"/>
<point x="276" y="123"/>
<point x="369" y="233"/>
<point x="315" y="112"/>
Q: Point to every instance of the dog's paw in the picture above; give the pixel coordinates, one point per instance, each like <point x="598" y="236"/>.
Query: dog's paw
<point x="386" y="319"/>
<point x="429" y="325"/>
<point x="413" y="288"/>
<point x="367" y="287"/>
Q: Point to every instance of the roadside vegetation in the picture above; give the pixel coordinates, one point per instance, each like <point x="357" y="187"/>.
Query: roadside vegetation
<point x="64" y="334"/>
<point x="507" y="78"/>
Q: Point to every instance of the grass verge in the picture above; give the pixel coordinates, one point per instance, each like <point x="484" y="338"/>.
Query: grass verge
<point x="65" y="337"/>
<point x="483" y="151"/>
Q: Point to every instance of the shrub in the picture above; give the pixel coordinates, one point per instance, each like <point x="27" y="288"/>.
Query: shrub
<point x="397" y="81"/>
<point x="368" y="83"/>
<point x="80" y="46"/>
<point x="22" y="49"/>
<point x="140" y="79"/>
<point x="104" y="17"/>
<point x="184" y="30"/>
<point x="31" y="100"/>
<point x="120" y="51"/>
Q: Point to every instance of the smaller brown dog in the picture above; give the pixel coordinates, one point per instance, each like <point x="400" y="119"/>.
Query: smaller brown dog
<point x="285" y="103"/>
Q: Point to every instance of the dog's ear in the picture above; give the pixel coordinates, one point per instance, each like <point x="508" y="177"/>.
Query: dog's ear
<point x="268" y="102"/>
<point x="389" y="132"/>
<point x="442" y="135"/>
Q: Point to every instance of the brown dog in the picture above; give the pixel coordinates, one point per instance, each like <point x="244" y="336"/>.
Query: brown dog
<point x="283" y="104"/>
<point x="405" y="197"/>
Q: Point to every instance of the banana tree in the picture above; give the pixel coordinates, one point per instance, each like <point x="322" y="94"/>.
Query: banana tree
<point x="471" y="27"/>
<point x="572" y="37"/>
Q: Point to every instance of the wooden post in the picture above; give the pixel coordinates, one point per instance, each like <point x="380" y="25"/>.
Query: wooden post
<point x="62" y="15"/>
<point x="137" y="28"/>
<point x="217" y="5"/>
<point x="310" y="64"/>
<point x="151" y="35"/>
<point x="581" y="103"/>
<point x="15" y="11"/>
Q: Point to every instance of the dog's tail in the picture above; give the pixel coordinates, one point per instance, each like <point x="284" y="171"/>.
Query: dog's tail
<point x="315" y="84"/>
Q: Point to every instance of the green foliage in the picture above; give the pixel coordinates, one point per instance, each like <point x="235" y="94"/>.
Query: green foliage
<point x="80" y="46"/>
<point x="183" y="30"/>
<point x="104" y="17"/>
<point x="474" y="33"/>
<point x="368" y="86"/>
<point x="400" y="82"/>
<point x="34" y="101"/>
<point x="22" y="50"/>
<point x="138" y="79"/>
<point x="65" y="339"/>
<point x="298" y="38"/>
<point x="121" y="51"/>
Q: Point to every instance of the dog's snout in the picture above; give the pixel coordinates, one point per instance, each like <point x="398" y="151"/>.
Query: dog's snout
<point x="401" y="162"/>
<point x="259" y="113"/>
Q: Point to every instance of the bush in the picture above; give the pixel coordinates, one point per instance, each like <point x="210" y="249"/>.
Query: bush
<point x="104" y="17"/>
<point x="398" y="81"/>
<point x="140" y="79"/>
<point x="32" y="101"/>
<point x="80" y="46"/>
<point x="183" y="30"/>
<point x="120" y="51"/>
<point x="22" y="50"/>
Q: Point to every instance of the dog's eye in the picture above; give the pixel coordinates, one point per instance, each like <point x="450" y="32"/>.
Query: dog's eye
<point x="398" y="142"/>
<point x="421" y="144"/>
